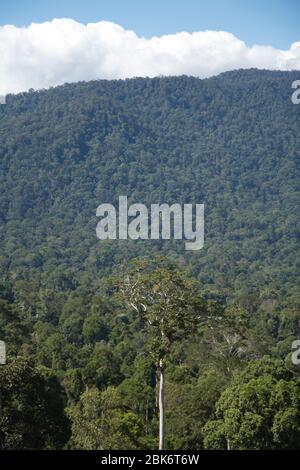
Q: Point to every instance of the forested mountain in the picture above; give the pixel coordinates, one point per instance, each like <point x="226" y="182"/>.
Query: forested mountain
<point x="231" y="142"/>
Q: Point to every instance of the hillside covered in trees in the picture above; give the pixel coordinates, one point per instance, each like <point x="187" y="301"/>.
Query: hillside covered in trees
<point x="231" y="142"/>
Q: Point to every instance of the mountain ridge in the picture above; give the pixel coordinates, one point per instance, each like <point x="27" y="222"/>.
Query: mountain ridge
<point x="230" y="141"/>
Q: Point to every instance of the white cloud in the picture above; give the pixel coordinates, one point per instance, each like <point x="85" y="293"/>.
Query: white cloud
<point x="63" y="50"/>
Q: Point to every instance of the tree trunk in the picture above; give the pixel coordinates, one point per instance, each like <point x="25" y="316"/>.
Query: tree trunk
<point x="161" y="405"/>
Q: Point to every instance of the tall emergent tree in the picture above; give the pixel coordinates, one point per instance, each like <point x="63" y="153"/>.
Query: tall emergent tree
<point x="169" y="304"/>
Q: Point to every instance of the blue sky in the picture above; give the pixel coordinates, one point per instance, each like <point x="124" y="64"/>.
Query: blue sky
<point x="271" y="22"/>
<point x="57" y="41"/>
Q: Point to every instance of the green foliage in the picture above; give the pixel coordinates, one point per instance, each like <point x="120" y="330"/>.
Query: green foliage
<point x="165" y="300"/>
<point x="230" y="142"/>
<point x="32" y="409"/>
<point x="99" y="422"/>
<point x="189" y="407"/>
<point x="76" y="349"/>
<point x="260" y="411"/>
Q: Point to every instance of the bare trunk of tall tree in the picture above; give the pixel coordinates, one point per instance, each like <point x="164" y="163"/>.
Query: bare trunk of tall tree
<point x="161" y="405"/>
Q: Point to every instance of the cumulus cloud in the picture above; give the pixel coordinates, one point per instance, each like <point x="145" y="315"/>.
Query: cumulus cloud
<point x="52" y="53"/>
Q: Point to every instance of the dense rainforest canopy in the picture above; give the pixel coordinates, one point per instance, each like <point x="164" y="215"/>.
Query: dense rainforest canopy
<point x="231" y="142"/>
